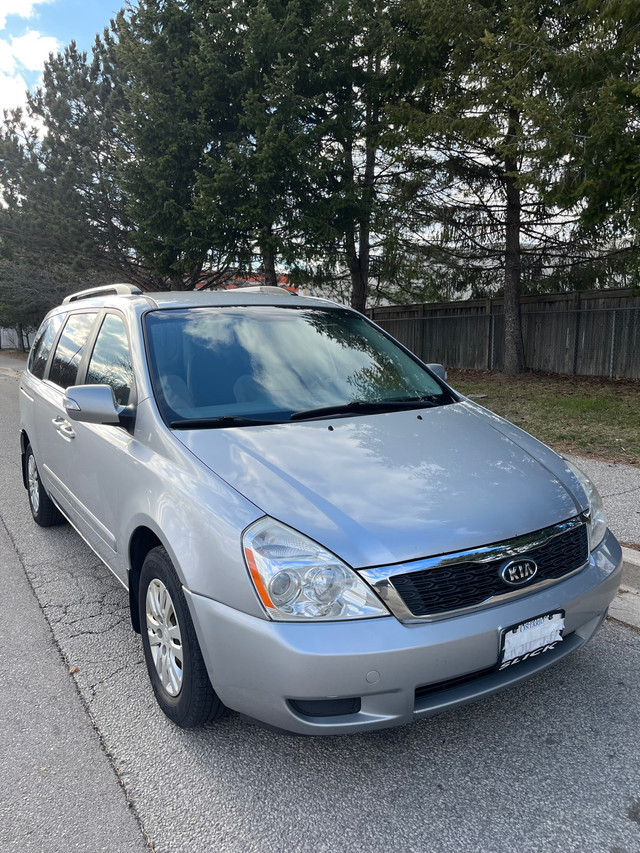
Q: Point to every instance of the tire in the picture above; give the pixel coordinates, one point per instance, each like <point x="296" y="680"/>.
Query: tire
<point x="174" y="661"/>
<point x="44" y="511"/>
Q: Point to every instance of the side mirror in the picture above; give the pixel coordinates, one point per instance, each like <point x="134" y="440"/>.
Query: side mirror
<point x="439" y="370"/>
<point x="92" y="404"/>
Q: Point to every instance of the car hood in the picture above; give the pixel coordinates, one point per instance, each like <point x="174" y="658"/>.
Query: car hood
<point x="396" y="486"/>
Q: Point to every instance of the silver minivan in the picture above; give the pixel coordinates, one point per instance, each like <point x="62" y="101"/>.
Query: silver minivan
<point x="314" y="529"/>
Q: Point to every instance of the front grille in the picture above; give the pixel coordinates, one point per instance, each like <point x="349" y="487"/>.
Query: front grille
<point x="468" y="584"/>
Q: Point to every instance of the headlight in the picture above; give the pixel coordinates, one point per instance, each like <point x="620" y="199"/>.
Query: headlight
<point x="297" y="579"/>
<point x="598" y="522"/>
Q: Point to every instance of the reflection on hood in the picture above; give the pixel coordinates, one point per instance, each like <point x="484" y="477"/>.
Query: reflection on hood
<point x="391" y="487"/>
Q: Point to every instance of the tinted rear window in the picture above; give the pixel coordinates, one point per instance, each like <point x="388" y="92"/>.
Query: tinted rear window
<point x="70" y="348"/>
<point x="110" y="361"/>
<point x="42" y="345"/>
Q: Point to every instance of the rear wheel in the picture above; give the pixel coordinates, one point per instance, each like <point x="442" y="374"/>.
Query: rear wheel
<point x="44" y="511"/>
<point x="174" y="661"/>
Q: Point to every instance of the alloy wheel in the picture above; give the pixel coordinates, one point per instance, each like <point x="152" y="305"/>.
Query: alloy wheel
<point x="165" y="639"/>
<point x="34" y="483"/>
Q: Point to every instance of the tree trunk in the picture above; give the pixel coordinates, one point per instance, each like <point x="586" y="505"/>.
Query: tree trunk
<point x="514" y="361"/>
<point x="20" y="335"/>
<point x="358" y="258"/>
<point x="360" y="285"/>
<point x="178" y="282"/>
<point x="358" y="275"/>
<point x="358" y="261"/>
<point x="269" y="264"/>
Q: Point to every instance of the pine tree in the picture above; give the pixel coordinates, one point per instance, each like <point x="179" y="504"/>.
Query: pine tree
<point x="487" y="136"/>
<point x="164" y="136"/>
<point x="257" y="171"/>
<point x="63" y="225"/>
<point x="600" y="166"/>
<point x="353" y="78"/>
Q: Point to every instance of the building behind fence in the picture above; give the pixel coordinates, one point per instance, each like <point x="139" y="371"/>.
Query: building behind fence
<point x="593" y="333"/>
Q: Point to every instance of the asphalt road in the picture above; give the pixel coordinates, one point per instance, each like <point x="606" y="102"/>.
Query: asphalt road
<point x="552" y="765"/>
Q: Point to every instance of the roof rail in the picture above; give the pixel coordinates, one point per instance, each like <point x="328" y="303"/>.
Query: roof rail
<point x="261" y="288"/>
<point x="105" y="290"/>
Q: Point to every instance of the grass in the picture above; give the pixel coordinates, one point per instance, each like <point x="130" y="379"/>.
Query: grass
<point x="583" y="415"/>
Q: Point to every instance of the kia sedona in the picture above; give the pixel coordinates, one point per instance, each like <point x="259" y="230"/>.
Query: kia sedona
<point x="314" y="528"/>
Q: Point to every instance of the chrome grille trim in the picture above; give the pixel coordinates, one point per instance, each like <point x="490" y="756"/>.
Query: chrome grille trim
<point x="380" y="578"/>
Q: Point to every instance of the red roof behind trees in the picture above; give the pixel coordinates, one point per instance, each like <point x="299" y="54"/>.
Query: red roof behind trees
<point x="239" y="281"/>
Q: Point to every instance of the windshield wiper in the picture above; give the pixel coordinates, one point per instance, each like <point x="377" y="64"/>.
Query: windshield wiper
<point x="358" y="407"/>
<point x="219" y="423"/>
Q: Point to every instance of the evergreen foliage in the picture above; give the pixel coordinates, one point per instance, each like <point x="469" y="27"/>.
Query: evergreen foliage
<point x="165" y="132"/>
<point x="489" y="133"/>
<point x="600" y="165"/>
<point x="420" y="149"/>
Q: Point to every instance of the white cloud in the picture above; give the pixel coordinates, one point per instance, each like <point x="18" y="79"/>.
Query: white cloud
<point x="12" y="91"/>
<point x="21" y="8"/>
<point x="32" y="49"/>
<point x="7" y="59"/>
<point x="19" y="57"/>
<point x="22" y="57"/>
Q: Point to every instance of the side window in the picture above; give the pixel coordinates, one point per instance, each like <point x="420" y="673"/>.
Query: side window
<point x="42" y="345"/>
<point x="68" y="354"/>
<point x="110" y="361"/>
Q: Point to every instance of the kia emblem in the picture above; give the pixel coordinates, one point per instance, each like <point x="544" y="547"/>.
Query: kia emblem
<point x="518" y="572"/>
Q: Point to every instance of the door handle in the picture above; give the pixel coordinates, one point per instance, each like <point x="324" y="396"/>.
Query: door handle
<point x="64" y="427"/>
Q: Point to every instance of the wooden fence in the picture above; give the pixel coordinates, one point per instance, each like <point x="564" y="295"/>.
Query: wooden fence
<point x="593" y="333"/>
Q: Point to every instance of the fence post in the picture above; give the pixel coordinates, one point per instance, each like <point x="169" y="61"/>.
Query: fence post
<point x="576" y="331"/>
<point x="491" y="332"/>
<point x="612" y="356"/>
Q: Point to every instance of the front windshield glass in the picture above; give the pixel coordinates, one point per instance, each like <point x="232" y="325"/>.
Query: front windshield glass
<point x="268" y="363"/>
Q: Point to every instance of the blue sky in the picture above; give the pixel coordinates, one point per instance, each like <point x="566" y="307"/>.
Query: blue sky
<point x="31" y="29"/>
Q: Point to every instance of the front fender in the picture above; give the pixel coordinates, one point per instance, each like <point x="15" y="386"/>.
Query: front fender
<point x="195" y="515"/>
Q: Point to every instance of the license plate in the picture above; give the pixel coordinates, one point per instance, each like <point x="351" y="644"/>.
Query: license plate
<point x="531" y="638"/>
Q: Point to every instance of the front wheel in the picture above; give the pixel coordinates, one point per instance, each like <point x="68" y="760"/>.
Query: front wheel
<point x="44" y="511"/>
<point x="174" y="661"/>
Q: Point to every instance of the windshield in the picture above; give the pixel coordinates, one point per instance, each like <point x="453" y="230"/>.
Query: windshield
<point x="253" y="364"/>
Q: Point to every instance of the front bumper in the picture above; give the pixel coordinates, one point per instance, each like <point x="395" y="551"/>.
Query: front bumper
<point x="398" y="672"/>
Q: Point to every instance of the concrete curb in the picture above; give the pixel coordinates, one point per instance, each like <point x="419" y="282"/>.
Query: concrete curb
<point x="631" y="567"/>
<point x="625" y="607"/>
